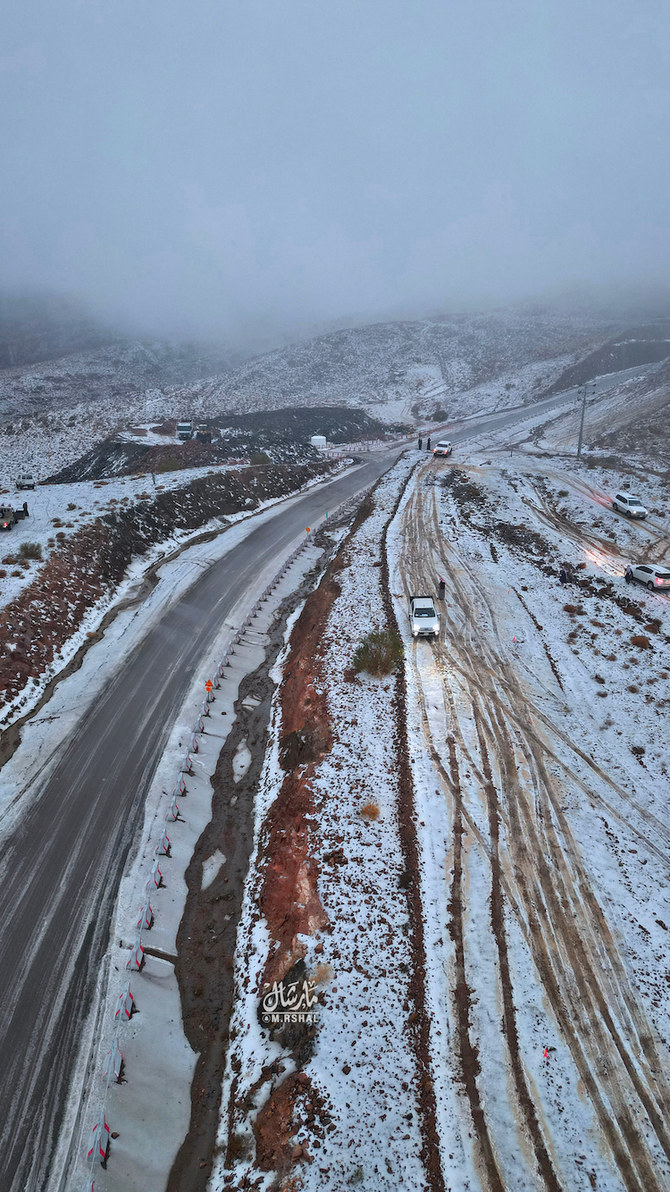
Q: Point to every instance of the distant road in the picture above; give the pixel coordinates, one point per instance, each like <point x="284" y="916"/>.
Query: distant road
<point x="60" y="868"/>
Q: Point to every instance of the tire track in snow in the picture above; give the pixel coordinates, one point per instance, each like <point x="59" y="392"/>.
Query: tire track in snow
<point x="581" y="968"/>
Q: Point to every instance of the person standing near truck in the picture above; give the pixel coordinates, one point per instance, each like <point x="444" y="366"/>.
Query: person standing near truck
<point x="420" y="443"/>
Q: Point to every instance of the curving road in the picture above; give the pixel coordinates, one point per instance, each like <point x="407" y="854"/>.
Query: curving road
<point x="60" y="868"/>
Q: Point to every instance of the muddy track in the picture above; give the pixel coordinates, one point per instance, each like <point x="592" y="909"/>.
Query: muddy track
<point x="543" y="508"/>
<point x="493" y="671"/>
<point x="420" y="1034"/>
<point x="467" y="1050"/>
<point x="538" y="867"/>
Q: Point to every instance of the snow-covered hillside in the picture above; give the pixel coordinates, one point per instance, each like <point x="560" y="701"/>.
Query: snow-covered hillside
<point x="394" y="369"/>
<point x="52" y="413"/>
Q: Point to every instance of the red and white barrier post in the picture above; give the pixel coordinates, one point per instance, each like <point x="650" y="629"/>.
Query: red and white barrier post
<point x="114" y="1063"/>
<point x="135" y="961"/>
<point x="126" y="1005"/>
<point x="98" y="1147"/>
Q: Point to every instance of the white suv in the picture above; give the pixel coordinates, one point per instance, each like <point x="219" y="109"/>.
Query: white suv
<point x="653" y="576"/>
<point x="442" y="448"/>
<point x="631" y="506"/>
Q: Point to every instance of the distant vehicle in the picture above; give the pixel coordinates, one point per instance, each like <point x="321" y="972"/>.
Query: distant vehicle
<point x="184" y="431"/>
<point x="7" y="518"/>
<point x="442" y="448"/>
<point x="424" y="621"/>
<point x="25" y="480"/>
<point x="655" y="578"/>
<point x="631" y="506"/>
<point x="203" y="434"/>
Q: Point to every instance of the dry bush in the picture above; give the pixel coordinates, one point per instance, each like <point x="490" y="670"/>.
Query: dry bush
<point x="633" y="687"/>
<point x="322" y="973"/>
<point x="370" y="811"/>
<point x="379" y="653"/>
<point x="575" y="610"/>
<point x="640" y="641"/>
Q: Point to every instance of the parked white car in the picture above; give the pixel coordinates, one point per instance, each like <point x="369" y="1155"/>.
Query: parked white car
<point x="656" y="578"/>
<point x="442" y="448"/>
<point x="631" y="506"/>
<point x="25" y="480"/>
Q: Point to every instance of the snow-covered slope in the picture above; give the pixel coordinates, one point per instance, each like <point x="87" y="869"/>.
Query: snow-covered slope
<point x="394" y="368"/>
<point x="52" y="413"/>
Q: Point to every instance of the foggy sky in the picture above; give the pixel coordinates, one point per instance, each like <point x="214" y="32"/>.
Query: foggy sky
<point x="209" y="166"/>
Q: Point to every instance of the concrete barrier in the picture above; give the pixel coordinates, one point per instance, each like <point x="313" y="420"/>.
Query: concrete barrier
<point x="135" y="961"/>
<point x="126" y="1005"/>
<point x="98" y="1146"/>
<point x="114" y="1063"/>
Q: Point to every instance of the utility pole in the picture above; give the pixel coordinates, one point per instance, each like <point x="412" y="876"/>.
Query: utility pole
<point x="582" y="389"/>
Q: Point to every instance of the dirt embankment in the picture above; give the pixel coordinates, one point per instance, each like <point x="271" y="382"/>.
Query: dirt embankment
<point x="289" y="898"/>
<point x="91" y="563"/>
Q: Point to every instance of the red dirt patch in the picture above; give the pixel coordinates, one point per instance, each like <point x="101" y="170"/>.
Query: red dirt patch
<point x="289" y="898"/>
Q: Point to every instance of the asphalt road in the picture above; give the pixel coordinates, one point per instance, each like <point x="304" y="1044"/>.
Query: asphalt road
<point x="60" y="869"/>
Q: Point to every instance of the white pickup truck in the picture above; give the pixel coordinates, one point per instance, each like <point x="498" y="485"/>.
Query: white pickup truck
<point x="423" y="619"/>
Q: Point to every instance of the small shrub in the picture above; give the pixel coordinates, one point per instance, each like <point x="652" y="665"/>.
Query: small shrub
<point x="379" y="653"/>
<point x="370" y="811"/>
<point x="575" y="610"/>
<point x="322" y="973"/>
<point x="652" y="627"/>
<point x="638" y="750"/>
<point x="598" y="679"/>
<point x="259" y="457"/>
<point x="239" y="1147"/>
<point x="30" y="550"/>
<point x="2" y="573"/>
<point x="640" y="641"/>
<point x="633" y="687"/>
<point x="72" y="505"/>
